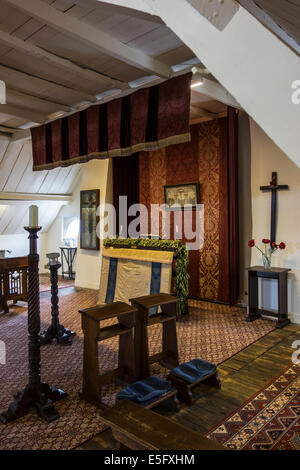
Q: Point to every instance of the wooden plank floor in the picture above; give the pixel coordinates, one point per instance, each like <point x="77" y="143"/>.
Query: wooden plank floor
<point x="242" y="376"/>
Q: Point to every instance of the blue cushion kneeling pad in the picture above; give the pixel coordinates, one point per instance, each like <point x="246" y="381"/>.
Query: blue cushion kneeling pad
<point x="145" y="390"/>
<point x="194" y="370"/>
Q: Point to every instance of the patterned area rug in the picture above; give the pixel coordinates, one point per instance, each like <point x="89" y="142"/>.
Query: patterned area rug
<point x="45" y="284"/>
<point x="268" y="420"/>
<point x="212" y="332"/>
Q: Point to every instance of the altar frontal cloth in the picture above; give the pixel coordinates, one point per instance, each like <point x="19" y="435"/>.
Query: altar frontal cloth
<point x="130" y="273"/>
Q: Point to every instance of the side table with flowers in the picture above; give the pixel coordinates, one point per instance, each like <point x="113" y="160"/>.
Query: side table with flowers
<point x="268" y="272"/>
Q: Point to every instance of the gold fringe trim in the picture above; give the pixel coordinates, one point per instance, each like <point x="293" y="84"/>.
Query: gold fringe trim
<point x="125" y="152"/>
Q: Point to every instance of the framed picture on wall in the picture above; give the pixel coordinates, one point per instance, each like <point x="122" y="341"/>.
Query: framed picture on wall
<point x="181" y="195"/>
<point x="89" y="202"/>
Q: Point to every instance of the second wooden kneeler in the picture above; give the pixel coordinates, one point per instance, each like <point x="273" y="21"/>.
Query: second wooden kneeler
<point x="168" y="357"/>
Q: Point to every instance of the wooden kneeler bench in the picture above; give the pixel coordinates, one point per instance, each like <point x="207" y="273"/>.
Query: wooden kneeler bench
<point x="91" y="318"/>
<point x="151" y="392"/>
<point x="168" y="357"/>
<point x="138" y="428"/>
<point x="184" y="387"/>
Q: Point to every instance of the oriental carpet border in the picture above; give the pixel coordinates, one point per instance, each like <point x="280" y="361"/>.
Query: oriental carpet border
<point x="268" y="420"/>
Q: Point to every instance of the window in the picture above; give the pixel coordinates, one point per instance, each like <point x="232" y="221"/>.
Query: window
<point x="71" y="230"/>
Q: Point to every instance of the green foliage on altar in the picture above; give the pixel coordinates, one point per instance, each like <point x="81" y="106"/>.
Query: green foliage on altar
<point x="181" y="277"/>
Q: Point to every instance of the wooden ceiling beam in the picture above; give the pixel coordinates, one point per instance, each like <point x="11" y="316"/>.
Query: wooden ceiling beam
<point x="84" y="74"/>
<point x="41" y="88"/>
<point x="96" y="38"/>
<point x="32" y="102"/>
<point x="21" y="198"/>
<point x="21" y="135"/>
<point x="21" y="112"/>
<point x="7" y="129"/>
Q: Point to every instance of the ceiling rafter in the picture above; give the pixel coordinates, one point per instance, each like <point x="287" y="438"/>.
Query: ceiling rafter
<point x="104" y="42"/>
<point x="14" y="198"/>
<point x="21" y="135"/>
<point x="7" y="129"/>
<point x="25" y="113"/>
<point x="100" y="80"/>
<point x="29" y="83"/>
<point x="31" y="101"/>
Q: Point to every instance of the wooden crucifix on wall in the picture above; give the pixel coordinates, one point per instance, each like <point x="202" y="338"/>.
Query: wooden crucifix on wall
<point x="273" y="188"/>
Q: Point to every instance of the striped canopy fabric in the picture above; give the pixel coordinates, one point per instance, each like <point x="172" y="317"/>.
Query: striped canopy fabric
<point x="147" y="119"/>
<point x="130" y="273"/>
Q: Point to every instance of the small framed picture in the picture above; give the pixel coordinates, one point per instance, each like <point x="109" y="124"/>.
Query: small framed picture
<point x="180" y="195"/>
<point x="89" y="202"/>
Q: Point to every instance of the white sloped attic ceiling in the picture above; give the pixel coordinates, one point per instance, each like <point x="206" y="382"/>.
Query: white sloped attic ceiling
<point x="20" y="187"/>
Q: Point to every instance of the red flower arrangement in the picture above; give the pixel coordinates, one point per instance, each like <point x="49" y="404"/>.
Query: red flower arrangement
<point x="267" y="254"/>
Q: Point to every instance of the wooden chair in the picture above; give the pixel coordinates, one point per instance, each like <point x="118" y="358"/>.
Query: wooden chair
<point x="13" y="281"/>
<point x="168" y="357"/>
<point x="128" y="423"/>
<point x="91" y="318"/>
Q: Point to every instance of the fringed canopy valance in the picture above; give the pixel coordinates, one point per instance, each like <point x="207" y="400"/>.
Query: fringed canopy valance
<point x="147" y="119"/>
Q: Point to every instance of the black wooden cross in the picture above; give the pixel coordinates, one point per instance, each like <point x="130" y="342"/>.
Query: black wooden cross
<point x="274" y="187"/>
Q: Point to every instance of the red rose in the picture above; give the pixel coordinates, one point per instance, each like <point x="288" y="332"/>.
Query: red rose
<point x="274" y="245"/>
<point x="251" y="244"/>
<point x="266" y="241"/>
<point x="282" y="246"/>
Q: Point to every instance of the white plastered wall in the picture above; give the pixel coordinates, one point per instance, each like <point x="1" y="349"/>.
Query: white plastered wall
<point x="267" y="157"/>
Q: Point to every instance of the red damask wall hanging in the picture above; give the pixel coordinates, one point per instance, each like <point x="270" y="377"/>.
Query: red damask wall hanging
<point x="211" y="159"/>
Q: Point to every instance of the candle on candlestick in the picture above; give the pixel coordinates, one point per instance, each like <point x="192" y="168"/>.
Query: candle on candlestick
<point x="33" y="216"/>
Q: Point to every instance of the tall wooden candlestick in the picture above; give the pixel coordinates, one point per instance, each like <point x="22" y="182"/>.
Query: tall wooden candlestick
<point x="56" y="332"/>
<point x="36" y="394"/>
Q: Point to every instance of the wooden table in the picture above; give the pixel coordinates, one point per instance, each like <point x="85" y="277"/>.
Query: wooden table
<point x="138" y="428"/>
<point x="13" y="280"/>
<point x="274" y="273"/>
<point x="91" y="318"/>
<point x="168" y="357"/>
